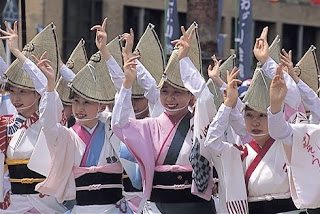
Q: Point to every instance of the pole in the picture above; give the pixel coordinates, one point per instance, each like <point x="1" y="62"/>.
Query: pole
<point x="23" y="22"/>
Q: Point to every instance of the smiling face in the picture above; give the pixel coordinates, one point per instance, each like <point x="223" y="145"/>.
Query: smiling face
<point x="174" y="100"/>
<point x="25" y="101"/>
<point x="256" y="124"/>
<point x="85" y="111"/>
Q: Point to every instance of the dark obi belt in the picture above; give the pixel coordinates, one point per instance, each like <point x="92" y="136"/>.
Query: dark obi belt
<point x="98" y="188"/>
<point x="22" y="179"/>
<point x="173" y="187"/>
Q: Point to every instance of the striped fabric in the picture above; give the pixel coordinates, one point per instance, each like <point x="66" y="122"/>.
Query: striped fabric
<point x="238" y="207"/>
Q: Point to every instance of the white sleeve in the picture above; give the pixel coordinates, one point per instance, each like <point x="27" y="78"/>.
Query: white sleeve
<point x="50" y="109"/>
<point x="279" y="128"/>
<point x="116" y="72"/>
<point x="191" y="77"/>
<point x="3" y="66"/>
<point x="122" y="109"/>
<point x="148" y="83"/>
<point x="237" y="122"/>
<point x="217" y="128"/>
<point x="66" y="73"/>
<point x="38" y="78"/>
<point x="293" y="97"/>
<point x="310" y="100"/>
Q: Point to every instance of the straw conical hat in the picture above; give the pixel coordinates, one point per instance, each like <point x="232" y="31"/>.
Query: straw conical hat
<point x="114" y="47"/>
<point x="257" y="96"/>
<point x="217" y="95"/>
<point x="2" y="51"/>
<point x="151" y="56"/>
<point x="172" y="71"/>
<point x="227" y="65"/>
<point x="274" y="49"/>
<point x="308" y="68"/>
<point x="151" y="53"/>
<point x="46" y="40"/>
<point x="77" y="60"/>
<point x="93" y="81"/>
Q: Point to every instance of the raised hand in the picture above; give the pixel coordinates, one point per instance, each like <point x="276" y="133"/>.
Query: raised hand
<point x="183" y="43"/>
<point x="278" y="90"/>
<point x="261" y="47"/>
<point x="231" y="94"/>
<point x="11" y="35"/>
<point x="128" y="38"/>
<point x="286" y="60"/>
<point x="213" y="71"/>
<point x="101" y="38"/>
<point x="130" y="71"/>
<point x="45" y="66"/>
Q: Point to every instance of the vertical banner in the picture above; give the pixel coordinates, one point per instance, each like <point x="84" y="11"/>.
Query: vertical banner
<point x="172" y="25"/>
<point x="245" y="38"/>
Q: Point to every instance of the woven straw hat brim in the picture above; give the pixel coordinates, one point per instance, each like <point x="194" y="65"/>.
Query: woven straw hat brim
<point x="46" y="40"/>
<point x="226" y="66"/>
<point x="93" y="81"/>
<point x="274" y="49"/>
<point x="64" y="91"/>
<point x="114" y="47"/>
<point x="2" y="51"/>
<point x="151" y="53"/>
<point x="217" y="95"/>
<point x="77" y="60"/>
<point x="257" y="96"/>
<point x="308" y="68"/>
<point x="172" y="71"/>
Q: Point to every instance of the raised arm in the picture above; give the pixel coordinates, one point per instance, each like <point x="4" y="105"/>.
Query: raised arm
<point x="37" y="77"/>
<point x="220" y="123"/>
<point x="123" y="106"/>
<point x="309" y="97"/>
<point x="279" y="129"/>
<point x="50" y="106"/>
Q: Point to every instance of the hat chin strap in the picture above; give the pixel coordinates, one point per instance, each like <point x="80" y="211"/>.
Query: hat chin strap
<point x="26" y="107"/>
<point x="177" y="109"/>
<point x="141" y="112"/>
<point x="87" y="119"/>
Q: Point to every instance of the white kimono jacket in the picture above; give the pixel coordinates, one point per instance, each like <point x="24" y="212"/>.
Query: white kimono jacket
<point x="301" y="143"/>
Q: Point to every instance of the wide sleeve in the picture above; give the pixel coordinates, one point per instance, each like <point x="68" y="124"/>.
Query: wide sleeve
<point x="66" y="73"/>
<point x="191" y="77"/>
<point x="216" y="131"/>
<point x="38" y="78"/>
<point x="50" y="109"/>
<point x="115" y="72"/>
<point x="3" y="66"/>
<point x="293" y="97"/>
<point x="279" y="128"/>
<point x="151" y="91"/>
<point x="310" y="100"/>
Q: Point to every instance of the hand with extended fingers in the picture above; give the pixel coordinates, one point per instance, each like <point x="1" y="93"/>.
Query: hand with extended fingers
<point x="45" y="66"/>
<point x="261" y="47"/>
<point x="128" y="38"/>
<point x="214" y="72"/>
<point x="286" y="60"/>
<point x="130" y="71"/>
<point x="11" y="35"/>
<point x="101" y="39"/>
<point x="278" y="90"/>
<point x="231" y="94"/>
<point x="183" y="43"/>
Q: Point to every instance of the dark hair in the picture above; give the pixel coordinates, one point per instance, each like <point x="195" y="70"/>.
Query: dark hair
<point x="72" y="94"/>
